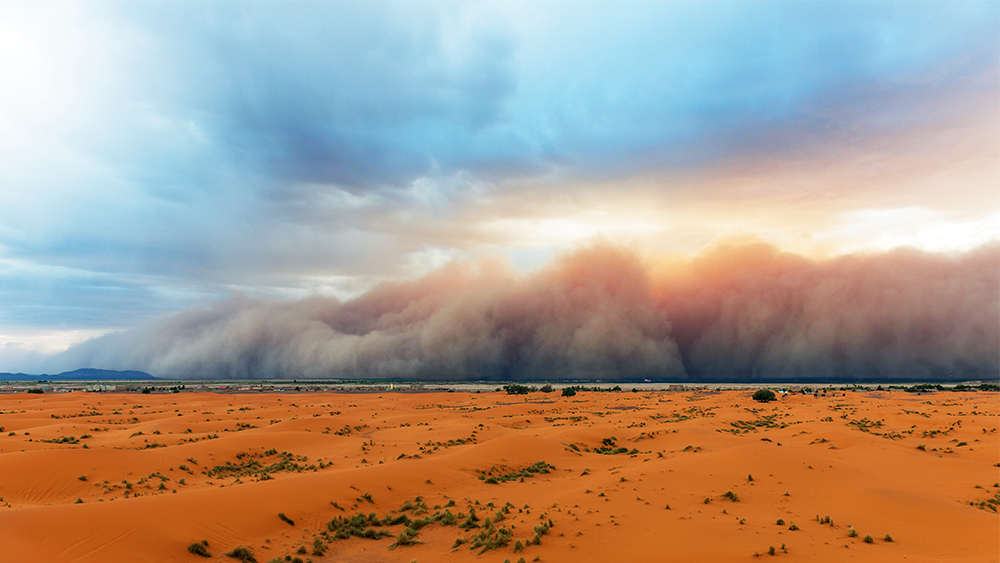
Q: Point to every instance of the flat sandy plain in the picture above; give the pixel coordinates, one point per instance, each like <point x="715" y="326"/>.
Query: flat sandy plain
<point x="683" y="476"/>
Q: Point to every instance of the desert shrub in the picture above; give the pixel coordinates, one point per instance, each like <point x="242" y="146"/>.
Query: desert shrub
<point x="319" y="546"/>
<point x="518" y="389"/>
<point x="199" y="548"/>
<point x="407" y="537"/>
<point x="491" y="537"/>
<point x="869" y="539"/>
<point x="793" y="528"/>
<point x="471" y="521"/>
<point x="731" y="496"/>
<point x="359" y="526"/>
<point x="851" y="532"/>
<point x="887" y="538"/>
<point x="445" y="518"/>
<point x="286" y="519"/>
<point x="568" y="392"/>
<point x="764" y="395"/>
<point x="546" y="388"/>
<point x="244" y="554"/>
<point x="780" y="522"/>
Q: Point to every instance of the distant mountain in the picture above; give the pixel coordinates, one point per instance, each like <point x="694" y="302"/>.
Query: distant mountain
<point x="84" y="374"/>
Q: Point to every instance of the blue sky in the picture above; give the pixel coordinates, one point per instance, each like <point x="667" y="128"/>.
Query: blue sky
<point x="157" y="155"/>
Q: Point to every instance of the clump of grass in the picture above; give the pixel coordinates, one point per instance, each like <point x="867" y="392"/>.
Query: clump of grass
<point x="609" y="446"/>
<point x="540" y="530"/>
<point x="244" y="554"/>
<point x="407" y="537"/>
<point x="851" y="532"/>
<point x="491" y="537"/>
<point x="868" y="539"/>
<point x="494" y="476"/>
<point x="82" y="477"/>
<point x="445" y="518"/>
<point x="888" y="539"/>
<point x="793" y="528"/>
<point x="199" y="548"/>
<point x="359" y="526"/>
<point x="319" y="546"/>
<point x="471" y="521"/>
<point x="731" y="496"/>
<point x="286" y="519"/>
<point x="780" y="522"/>
<point x="770" y="550"/>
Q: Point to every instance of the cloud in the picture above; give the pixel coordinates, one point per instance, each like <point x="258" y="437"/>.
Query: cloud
<point x="739" y="311"/>
<point x="198" y="149"/>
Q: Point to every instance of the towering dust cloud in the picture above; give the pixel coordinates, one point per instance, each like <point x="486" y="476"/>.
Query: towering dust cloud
<point x="736" y="312"/>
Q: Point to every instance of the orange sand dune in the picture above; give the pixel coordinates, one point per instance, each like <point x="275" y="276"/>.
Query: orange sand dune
<point x="685" y="476"/>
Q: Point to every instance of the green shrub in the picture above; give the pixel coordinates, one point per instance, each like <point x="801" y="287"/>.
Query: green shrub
<point x="319" y="546"/>
<point x="244" y="554"/>
<point x="568" y="392"/>
<point x="199" y="548"/>
<point x="407" y="537"/>
<point x="764" y="395"/>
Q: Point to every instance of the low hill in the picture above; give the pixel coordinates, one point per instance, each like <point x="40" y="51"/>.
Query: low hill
<point x="83" y="374"/>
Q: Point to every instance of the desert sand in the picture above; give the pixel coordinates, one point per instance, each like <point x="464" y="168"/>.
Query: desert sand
<point x="601" y="476"/>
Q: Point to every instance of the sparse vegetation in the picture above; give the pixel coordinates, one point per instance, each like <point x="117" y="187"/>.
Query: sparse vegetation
<point x="199" y="548"/>
<point x="496" y="475"/>
<point x="243" y="554"/>
<point x="407" y="537"/>
<point x="764" y="396"/>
